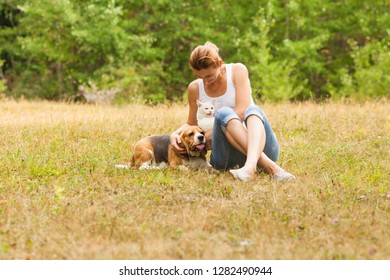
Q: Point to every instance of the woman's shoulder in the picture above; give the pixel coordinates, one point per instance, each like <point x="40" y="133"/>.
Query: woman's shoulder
<point x="193" y="89"/>
<point x="194" y="85"/>
<point x="239" y="71"/>
<point x="239" y="67"/>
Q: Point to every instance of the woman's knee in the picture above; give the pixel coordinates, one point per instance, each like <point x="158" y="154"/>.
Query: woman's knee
<point x="254" y="110"/>
<point x="224" y="115"/>
<point x="224" y="112"/>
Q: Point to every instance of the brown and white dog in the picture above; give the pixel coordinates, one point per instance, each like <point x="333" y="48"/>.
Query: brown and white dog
<point x="156" y="151"/>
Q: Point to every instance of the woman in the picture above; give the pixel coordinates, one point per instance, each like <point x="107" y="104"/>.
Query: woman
<point x="242" y="136"/>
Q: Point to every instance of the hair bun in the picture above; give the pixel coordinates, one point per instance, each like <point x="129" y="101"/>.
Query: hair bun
<point x="204" y="56"/>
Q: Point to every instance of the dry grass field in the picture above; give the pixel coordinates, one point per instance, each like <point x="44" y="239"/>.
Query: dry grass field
<point x="62" y="198"/>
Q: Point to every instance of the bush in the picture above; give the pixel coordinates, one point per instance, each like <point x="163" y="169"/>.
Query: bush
<point x="272" y="78"/>
<point x="294" y="50"/>
<point x="2" y="82"/>
<point x="67" y="43"/>
<point x="368" y="77"/>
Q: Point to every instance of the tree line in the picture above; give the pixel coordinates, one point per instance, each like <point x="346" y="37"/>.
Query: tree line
<point x="294" y="49"/>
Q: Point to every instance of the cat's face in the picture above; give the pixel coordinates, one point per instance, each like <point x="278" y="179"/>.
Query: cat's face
<point x="206" y="108"/>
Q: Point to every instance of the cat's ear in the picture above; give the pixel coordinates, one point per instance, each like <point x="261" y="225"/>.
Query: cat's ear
<point x="198" y="103"/>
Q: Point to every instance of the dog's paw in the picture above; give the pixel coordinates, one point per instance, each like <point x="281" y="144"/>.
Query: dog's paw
<point x="162" y="165"/>
<point x="183" y="167"/>
<point x="145" y="166"/>
<point x="148" y="166"/>
<point x="122" y="166"/>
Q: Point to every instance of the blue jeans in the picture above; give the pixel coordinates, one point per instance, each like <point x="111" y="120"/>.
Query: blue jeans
<point x="224" y="155"/>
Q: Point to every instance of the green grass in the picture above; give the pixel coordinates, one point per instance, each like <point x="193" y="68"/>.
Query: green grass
<point x="62" y="198"/>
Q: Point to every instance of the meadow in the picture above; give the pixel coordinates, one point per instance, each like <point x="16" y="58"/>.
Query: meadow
<point x="62" y="198"/>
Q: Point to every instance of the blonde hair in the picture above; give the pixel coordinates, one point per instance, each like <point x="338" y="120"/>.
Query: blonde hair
<point x="204" y="56"/>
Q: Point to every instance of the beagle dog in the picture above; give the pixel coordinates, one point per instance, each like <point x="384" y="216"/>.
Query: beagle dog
<point x="156" y="151"/>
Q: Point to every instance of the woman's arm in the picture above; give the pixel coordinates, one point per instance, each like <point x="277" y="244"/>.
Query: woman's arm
<point x="193" y="94"/>
<point x="209" y="137"/>
<point x="243" y="88"/>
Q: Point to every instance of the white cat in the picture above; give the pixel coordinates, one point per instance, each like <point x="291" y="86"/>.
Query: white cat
<point x="205" y="115"/>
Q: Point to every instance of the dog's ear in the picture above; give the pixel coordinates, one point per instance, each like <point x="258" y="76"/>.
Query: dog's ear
<point x="183" y="139"/>
<point x="198" y="102"/>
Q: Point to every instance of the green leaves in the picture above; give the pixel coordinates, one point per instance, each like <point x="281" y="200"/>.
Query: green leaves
<point x="293" y="49"/>
<point x="370" y="78"/>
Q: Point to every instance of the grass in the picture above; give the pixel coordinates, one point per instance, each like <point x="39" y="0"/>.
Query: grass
<point x="62" y="198"/>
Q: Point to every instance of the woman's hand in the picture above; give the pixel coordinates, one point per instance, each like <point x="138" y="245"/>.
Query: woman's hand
<point x="176" y="143"/>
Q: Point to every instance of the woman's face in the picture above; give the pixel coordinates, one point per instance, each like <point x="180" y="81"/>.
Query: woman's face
<point x="208" y="75"/>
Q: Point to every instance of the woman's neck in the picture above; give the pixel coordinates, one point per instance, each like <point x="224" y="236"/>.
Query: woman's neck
<point x="219" y="86"/>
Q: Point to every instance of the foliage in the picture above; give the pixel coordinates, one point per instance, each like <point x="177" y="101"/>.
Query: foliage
<point x="370" y="78"/>
<point x="294" y="49"/>
<point x="65" y="43"/>
<point x="2" y="83"/>
<point x="271" y="78"/>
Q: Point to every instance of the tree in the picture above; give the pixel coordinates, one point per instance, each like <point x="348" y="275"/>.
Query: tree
<point x="294" y="49"/>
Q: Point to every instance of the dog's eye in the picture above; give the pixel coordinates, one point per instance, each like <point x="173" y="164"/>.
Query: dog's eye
<point x="191" y="134"/>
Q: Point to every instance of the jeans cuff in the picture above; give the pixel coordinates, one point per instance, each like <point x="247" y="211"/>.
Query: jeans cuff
<point x="254" y="113"/>
<point x="229" y="118"/>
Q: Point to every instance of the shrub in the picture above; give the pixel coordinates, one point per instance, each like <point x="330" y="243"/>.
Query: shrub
<point x="368" y="77"/>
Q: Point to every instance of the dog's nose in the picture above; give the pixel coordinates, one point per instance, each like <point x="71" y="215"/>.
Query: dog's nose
<point x="200" y="137"/>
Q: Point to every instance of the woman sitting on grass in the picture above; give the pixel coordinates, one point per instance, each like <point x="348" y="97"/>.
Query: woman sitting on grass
<point x="242" y="136"/>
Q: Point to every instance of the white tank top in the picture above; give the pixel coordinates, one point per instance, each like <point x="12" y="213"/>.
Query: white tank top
<point x="228" y="99"/>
